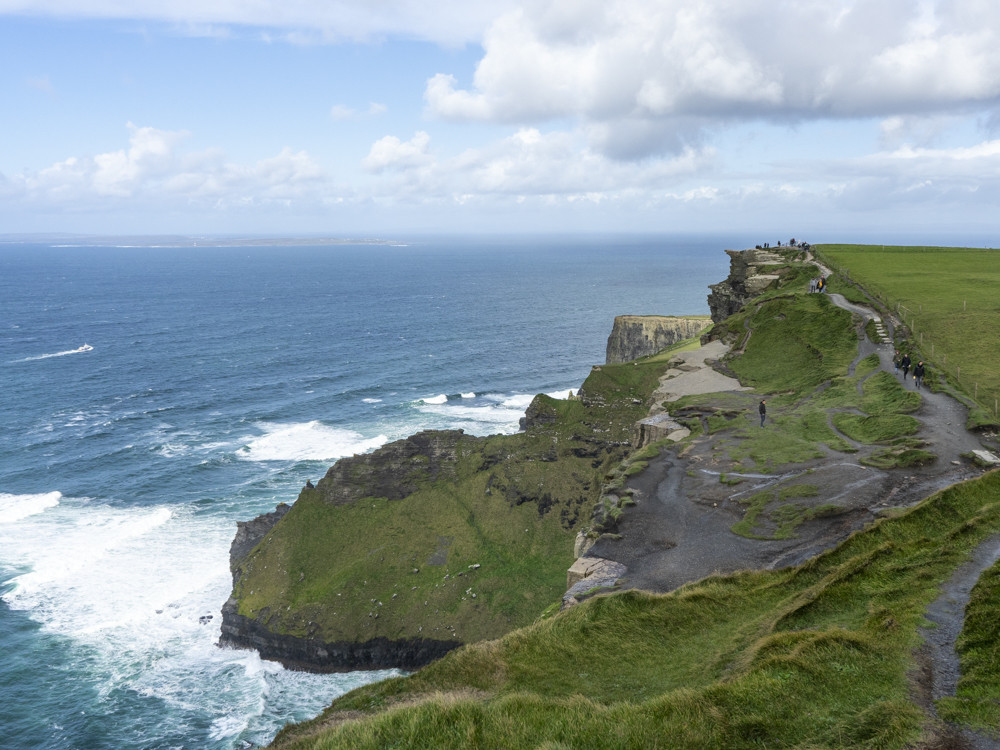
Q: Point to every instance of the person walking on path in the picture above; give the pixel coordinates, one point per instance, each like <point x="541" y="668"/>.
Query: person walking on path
<point x="904" y="363"/>
<point x="763" y="411"/>
<point x="918" y="373"/>
<point x="895" y="362"/>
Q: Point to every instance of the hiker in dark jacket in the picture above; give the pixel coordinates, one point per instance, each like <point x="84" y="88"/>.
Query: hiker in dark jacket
<point x="904" y="365"/>
<point x="918" y="373"/>
<point x="763" y="411"/>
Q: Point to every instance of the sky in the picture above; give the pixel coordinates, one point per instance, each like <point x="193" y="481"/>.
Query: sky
<point x="817" y="119"/>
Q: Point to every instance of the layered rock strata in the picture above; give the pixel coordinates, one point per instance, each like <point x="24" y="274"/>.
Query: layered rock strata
<point x="635" y="336"/>
<point x="750" y="275"/>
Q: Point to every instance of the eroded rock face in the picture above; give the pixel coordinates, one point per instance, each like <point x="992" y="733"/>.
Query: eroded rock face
<point x="749" y="276"/>
<point x="316" y="655"/>
<point x="250" y="533"/>
<point x="393" y="471"/>
<point x="635" y="336"/>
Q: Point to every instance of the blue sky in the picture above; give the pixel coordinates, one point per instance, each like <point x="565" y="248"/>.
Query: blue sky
<point x="822" y="119"/>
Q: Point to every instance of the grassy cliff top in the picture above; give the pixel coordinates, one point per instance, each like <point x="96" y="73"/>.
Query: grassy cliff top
<point x="819" y="655"/>
<point x="446" y="536"/>
<point x="946" y="301"/>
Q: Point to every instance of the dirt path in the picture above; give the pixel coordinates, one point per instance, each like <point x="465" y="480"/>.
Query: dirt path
<point x="681" y="528"/>
<point x="938" y="658"/>
<point x="943" y="417"/>
<point x="944" y="429"/>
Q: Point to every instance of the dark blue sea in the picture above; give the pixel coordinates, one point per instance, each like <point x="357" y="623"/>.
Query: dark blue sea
<point x="151" y="396"/>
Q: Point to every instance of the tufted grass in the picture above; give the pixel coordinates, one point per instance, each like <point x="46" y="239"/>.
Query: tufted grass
<point x="814" y="656"/>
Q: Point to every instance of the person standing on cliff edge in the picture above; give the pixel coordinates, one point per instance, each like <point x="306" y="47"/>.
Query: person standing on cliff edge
<point x="763" y="411"/>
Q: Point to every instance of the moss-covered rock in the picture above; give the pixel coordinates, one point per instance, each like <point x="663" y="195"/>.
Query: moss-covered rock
<point x="443" y="538"/>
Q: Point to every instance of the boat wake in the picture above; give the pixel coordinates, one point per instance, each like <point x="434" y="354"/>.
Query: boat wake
<point x="78" y="350"/>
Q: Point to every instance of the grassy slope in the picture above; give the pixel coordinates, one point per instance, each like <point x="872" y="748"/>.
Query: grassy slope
<point x="365" y="570"/>
<point x="816" y="656"/>
<point x="948" y="298"/>
<point x="811" y="657"/>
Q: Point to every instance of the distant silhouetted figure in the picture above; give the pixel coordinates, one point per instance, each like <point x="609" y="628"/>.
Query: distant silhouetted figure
<point x="763" y="411"/>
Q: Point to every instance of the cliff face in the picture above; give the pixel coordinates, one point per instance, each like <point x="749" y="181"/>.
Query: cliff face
<point x="635" y="336"/>
<point x="393" y="471"/>
<point x="750" y="274"/>
<point x="318" y="655"/>
<point x="310" y="653"/>
<point x="397" y="556"/>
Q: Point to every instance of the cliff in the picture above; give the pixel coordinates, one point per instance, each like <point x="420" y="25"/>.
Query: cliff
<point x="398" y="556"/>
<point x="635" y="336"/>
<point x="751" y="272"/>
<point x="440" y="539"/>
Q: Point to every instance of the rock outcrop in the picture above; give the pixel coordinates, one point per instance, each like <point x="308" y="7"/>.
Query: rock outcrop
<point x="316" y="655"/>
<point x="658" y="427"/>
<point x="635" y="336"/>
<point x="250" y="533"/>
<point x="749" y="276"/>
<point x="394" y="471"/>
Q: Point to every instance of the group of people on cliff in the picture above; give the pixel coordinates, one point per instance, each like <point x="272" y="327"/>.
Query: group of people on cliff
<point x="817" y="285"/>
<point x="791" y="243"/>
<point x="903" y="362"/>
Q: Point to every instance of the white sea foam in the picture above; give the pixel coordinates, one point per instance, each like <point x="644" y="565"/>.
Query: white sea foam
<point x="521" y="402"/>
<point x="470" y="394"/>
<point x="138" y="590"/>
<point x="79" y="563"/>
<point x="308" y="441"/>
<point x="478" y="414"/>
<point x="371" y="401"/>
<point x="562" y="395"/>
<point x="15" y="507"/>
<point x="442" y="399"/>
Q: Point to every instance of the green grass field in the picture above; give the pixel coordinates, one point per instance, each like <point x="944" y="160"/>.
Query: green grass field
<point x="948" y="299"/>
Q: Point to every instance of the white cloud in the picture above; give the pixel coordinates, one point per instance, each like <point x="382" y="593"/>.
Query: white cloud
<point x="150" y="154"/>
<point x="391" y="153"/>
<point x="650" y="69"/>
<point x="152" y="169"/>
<point x="526" y="164"/>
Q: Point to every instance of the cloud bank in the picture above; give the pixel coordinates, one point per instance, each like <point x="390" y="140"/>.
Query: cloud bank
<point x="655" y="112"/>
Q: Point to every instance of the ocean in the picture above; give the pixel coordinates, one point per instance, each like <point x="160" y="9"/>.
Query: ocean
<point x="153" y="395"/>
